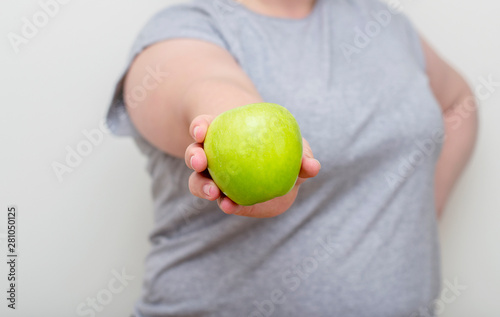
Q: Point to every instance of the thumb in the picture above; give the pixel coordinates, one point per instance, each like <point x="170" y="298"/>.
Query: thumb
<point x="310" y="166"/>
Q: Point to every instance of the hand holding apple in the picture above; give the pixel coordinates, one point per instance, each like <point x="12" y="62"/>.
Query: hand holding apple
<point x="286" y="170"/>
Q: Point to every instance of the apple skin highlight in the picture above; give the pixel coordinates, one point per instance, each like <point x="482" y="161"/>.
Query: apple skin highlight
<point x="254" y="152"/>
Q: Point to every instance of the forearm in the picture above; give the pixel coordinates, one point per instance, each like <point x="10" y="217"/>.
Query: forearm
<point x="197" y="78"/>
<point x="213" y="97"/>
<point x="461" y="123"/>
<point x="165" y="123"/>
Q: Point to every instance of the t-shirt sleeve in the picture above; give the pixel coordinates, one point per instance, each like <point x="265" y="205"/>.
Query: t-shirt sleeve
<point x="181" y="21"/>
<point x="410" y="34"/>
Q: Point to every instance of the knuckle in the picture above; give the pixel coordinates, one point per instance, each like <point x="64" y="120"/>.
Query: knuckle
<point x="187" y="158"/>
<point x="189" y="149"/>
<point x="192" y="183"/>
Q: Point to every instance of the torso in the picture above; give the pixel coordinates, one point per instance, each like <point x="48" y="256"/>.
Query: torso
<point x="354" y="243"/>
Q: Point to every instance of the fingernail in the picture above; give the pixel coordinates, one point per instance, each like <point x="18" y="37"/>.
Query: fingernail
<point x="191" y="161"/>
<point x="318" y="163"/>
<point x="194" y="132"/>
<point x="206" y="189"/>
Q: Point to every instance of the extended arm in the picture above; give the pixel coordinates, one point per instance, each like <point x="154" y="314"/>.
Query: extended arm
<point x="199" y="81"/>
<point x="197" y="78"/>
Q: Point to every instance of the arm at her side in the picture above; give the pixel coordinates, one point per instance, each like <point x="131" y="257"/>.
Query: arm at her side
<point x="455" y="98"/>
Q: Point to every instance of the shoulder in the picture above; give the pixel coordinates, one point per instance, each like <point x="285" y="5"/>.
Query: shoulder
<point x="197" y="19"/>
<point x="194" y="11"/>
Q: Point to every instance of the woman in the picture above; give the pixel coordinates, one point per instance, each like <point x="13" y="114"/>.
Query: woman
<point x="358" y="238"/>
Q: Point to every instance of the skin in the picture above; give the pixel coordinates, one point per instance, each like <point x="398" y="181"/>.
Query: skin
<point x="204" y="80"/>
<point x="453" y="93"/>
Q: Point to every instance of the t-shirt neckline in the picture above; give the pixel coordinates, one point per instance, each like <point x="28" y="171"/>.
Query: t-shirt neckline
<point x="282" y="20"/>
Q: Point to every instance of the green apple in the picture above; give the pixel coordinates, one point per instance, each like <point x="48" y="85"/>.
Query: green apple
<point x="254" y="152"/>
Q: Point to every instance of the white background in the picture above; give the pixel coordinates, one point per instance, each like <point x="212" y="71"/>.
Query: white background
<point x="74" y="234"/>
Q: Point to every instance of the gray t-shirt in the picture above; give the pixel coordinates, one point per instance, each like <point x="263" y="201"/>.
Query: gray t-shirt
<point x="361" y="238"/>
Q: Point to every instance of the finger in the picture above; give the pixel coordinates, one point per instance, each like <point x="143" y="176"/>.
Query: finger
<point x="306" y="149"/>
<point x="203" y="187"/>
<point x="310" y="166"/>
<point x="228" y="206"/>
<point x="199" y="126"/>
<point x="195" y="157"/>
